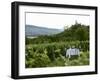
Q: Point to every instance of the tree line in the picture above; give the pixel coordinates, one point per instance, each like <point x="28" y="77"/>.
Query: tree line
<point x="76" y="32"/>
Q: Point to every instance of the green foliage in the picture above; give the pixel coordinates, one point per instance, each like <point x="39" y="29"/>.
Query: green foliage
<point x="50" y="51"/>
<point x="81" y="34"/>
<point x="53" y="54"/>
<point x="37" y="59"/>
<point x="76" y="32"/>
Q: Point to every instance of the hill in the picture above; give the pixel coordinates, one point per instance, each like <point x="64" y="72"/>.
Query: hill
<point x="32" y="30"/>
<point x="76" y="32"/>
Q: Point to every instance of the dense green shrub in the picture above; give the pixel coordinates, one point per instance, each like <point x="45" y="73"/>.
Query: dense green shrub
<point x="53" y="54"/>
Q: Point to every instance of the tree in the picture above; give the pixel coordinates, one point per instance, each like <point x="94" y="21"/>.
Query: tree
<point x="81" y="34"/>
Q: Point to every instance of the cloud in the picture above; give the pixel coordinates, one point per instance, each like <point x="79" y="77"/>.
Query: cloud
<point x="57" y="21"/>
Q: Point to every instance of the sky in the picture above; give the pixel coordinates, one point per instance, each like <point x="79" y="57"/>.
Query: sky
<point x="56" y="21"/>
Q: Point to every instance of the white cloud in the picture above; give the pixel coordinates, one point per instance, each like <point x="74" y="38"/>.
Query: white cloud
<point x="57" y="21"/>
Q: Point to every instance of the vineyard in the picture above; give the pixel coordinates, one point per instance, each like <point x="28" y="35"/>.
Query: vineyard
<point x="54" y="54"/>
<point x="50" y="50"/>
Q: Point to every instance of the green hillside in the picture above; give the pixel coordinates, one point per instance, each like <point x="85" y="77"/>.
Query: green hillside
<point x="76" y="32"/>
<point x="50" y="51"/>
